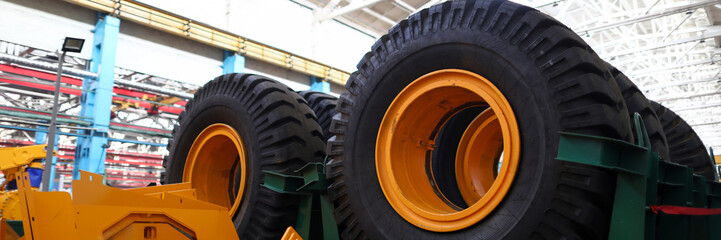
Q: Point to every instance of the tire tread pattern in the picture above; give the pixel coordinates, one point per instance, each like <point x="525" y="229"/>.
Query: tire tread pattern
<point x="289" y="137"/>
<point x="638" y="103"/>
<point x="591" y="103"/>
<point x="323" y="106"/>
<point x="684" y="145"/>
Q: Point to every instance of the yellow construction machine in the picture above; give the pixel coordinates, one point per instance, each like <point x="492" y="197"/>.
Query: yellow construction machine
<point x="96" y="211"/>
<point x="13" y="162"/>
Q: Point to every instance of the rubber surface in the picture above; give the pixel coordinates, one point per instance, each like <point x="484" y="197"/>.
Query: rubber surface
<point x="636" y="102"/>
<point x="684" y="145"/>
<point x="323" y="106"/>
<point x="553" y="81"/>
<point x="444" y="155"/>
<point x="280" y="133"/>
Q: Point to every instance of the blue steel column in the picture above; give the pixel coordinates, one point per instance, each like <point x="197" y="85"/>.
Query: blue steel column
<point x="97" y="100"/>
<point x="40" y="139"/>
<point x="40" y="135"/>
<point x="232" y="62"/>
<point x="318" y="85"/>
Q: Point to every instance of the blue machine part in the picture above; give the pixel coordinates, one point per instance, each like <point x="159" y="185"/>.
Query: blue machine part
<point x="36" y="176"/>
<point x="13" y="185"/>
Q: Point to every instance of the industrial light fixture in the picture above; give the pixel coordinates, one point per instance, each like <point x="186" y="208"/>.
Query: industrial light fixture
<point x="69" y="45"/>
<point x="73" y="44"/>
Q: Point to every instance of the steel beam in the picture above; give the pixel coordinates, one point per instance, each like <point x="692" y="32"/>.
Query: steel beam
<point x="88" y="74"/>
<point x="702" y="132"/>
<point x="428" y="4"/>
<point x="97" y="100"/>
<point x="379" y="16"/>
<point x="665" y="12"/>
<point x="40" y="139"/>
<point x="188" y="28"/>
<point x="702" y="106"/>
<point x="648" y="88"/>
<point x="405" y="6"/>
<point x="353" y="6"/>
<point x="4" y="57"/>
<point x="710" y="32"/>
<point x="646" y="36"/>
<point x="706" y="123"/>
<point x="689" y="96"/>
<point x="674" y="66"/>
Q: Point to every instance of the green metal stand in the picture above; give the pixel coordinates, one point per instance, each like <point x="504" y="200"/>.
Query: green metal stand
<point x="713" y="163"/>
<point x="315" y="211"/>
<point x="643" y="181"/>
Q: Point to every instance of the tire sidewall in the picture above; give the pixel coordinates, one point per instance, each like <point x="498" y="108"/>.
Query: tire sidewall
<point x="523" y="86"/>
<point x="226" y="110"/>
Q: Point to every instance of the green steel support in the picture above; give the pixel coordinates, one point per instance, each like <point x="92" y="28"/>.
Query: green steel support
<point x="630" y="162"/>
<point x="713" y="192"/>
<point x="713" y="163"/>
<point x="644" y="181"/>
<point x="674" y="184"/>
<point x="315" y="211"/>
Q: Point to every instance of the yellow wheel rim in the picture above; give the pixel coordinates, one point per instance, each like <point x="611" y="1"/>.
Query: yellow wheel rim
<point x="216" y="152"/>
<point x="406" y="138"/>
<point x="482" y="140"/>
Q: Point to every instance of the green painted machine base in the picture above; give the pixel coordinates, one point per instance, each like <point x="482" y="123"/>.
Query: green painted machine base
<point x="315" y="211"/>
<point x="643" y="181"/>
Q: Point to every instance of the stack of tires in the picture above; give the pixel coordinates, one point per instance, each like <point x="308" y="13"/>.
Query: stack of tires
<point x="448" y="129"/>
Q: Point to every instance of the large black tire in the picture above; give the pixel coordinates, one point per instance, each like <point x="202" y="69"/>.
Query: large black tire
<point x="551" y="78"/>
<point x="323" y="106"/>
<point x="279" y="132"/>
<point x="638" y="103"/>
<point x="684" y="145"/>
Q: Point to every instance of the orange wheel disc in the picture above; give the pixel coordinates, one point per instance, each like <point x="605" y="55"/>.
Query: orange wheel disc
<point x="216" y="152"/>
<point x="405" y="138"/>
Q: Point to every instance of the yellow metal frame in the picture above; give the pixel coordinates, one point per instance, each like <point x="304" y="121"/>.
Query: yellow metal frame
<point x="291" y="234"/>
<point x="97" y="211"/>
<point x="14" y="160"/>
<point x="406" y="136"/>
<point x="185" y="27"/>
<point x="10" y="208"/>
<point x="13" y="157"/>
<point x="6" y="232"/>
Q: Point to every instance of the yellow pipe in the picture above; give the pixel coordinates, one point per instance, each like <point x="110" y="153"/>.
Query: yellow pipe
<point x="175" y="24"/>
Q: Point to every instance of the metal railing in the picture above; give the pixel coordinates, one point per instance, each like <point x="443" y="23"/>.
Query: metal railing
<point x="175" y="24"/>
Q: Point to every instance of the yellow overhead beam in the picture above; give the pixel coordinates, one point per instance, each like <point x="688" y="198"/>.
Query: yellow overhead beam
<point x="172" y="23"/>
